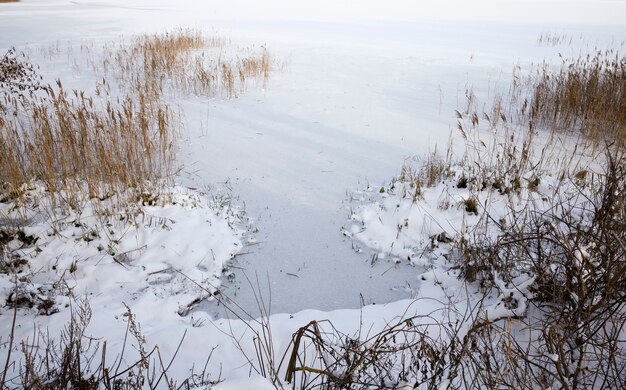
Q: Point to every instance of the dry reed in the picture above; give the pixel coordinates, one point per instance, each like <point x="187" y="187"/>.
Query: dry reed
<point x="586" y="95"/>
<point x="186" y="62"/>
<point x="73" y="144"/>
<point x="105" y="145"/>
<point x="553" y="39"/>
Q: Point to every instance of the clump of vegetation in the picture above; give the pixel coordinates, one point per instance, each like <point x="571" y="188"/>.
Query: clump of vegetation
<point x="184" y="61"/>
<point x="586" y="95"/>
<point x="471" y="205"/>
<point x="73" y="145"/>
<point x="434" y="170"/>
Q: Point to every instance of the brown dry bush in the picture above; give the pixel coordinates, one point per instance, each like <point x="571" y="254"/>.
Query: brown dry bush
<point x="413" y="352"/>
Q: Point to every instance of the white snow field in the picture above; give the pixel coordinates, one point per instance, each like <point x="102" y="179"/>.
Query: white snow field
<point x="359" y="88"/>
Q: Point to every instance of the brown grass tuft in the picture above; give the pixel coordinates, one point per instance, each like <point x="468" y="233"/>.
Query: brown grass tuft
<point x="586" y="95"/>
<point x="186" y="62"/>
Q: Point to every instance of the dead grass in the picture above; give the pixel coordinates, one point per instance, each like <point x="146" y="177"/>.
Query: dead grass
<point x="75" y="360"/>
<point x="554" y="39"/>
<point x="186" y="62"/>
<point x="72" y="143"/>
<point x="121" y="141"/>
<point x="586" y="95"/>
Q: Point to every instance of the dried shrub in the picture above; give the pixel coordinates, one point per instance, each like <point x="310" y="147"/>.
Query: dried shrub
<point x="410" y="352"/>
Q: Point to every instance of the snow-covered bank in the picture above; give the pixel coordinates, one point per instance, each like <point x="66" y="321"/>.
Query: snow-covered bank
<point x="169" y="255"/>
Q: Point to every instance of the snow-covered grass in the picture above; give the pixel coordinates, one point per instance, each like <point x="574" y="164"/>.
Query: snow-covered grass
<point x="169" y="254"/>
<point x="535" y="231"/>
<point x="90" y="216"/>
<point x="94" y="252"/>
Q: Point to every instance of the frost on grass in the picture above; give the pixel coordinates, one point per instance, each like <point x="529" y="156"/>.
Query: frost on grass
<point x="167" y="252"/>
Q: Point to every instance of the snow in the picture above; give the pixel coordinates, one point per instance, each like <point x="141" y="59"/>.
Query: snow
<point x="248" y="383"/>
<point x="167" y="255"/>
<point x="366" y="85"/>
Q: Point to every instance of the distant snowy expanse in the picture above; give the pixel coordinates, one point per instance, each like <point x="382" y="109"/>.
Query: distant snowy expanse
<point x="366" y="85"/>
<point x="546" y="11"/>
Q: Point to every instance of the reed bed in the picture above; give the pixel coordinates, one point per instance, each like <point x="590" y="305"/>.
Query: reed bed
<point x="185" y="62"/>
<point x="72" y="143"/>
<point x="121" y="142"/>
<point x="586" y="95"/>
